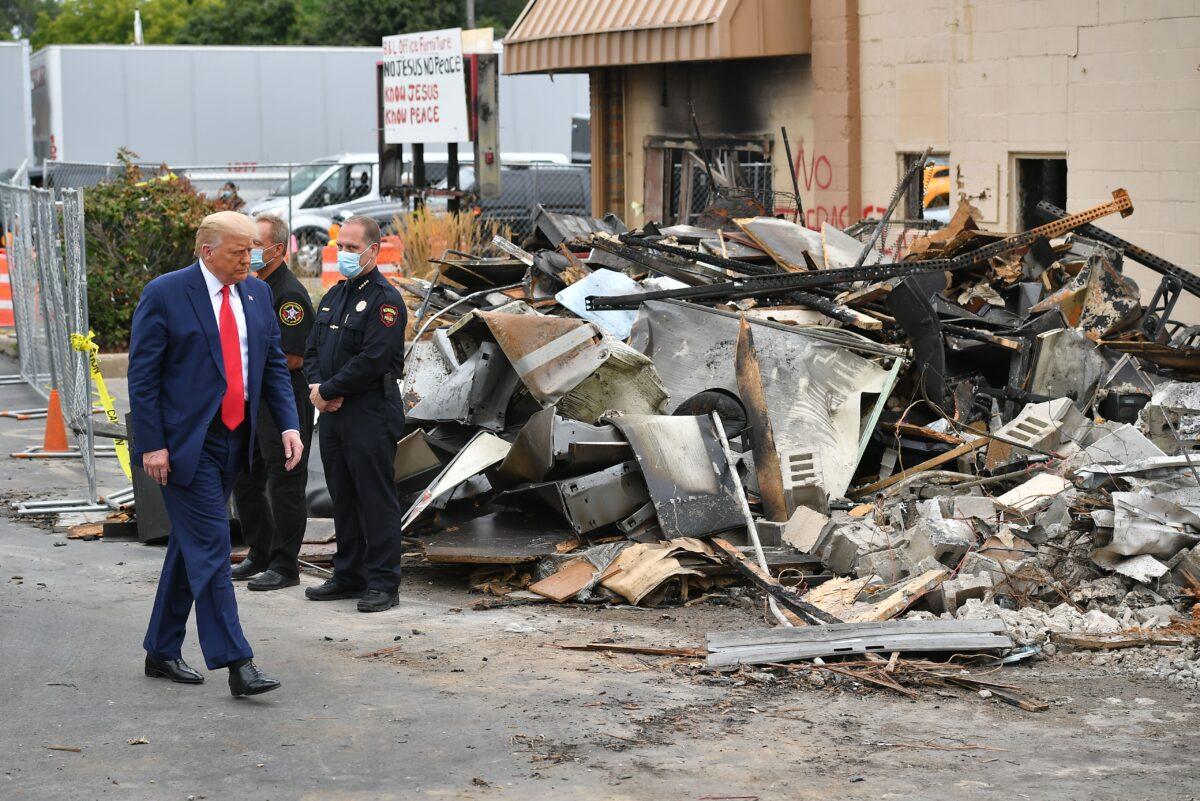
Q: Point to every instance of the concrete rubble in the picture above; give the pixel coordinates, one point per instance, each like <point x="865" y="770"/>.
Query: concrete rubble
<point x="958" y="424"/>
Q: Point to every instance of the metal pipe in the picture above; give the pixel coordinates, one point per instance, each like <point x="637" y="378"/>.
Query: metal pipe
<point x="917" y="166"/>
<point x="749" y="518"/>
<point x="787" y="147"/>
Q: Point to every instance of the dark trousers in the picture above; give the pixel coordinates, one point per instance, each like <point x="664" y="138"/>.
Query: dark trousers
<point x="270" y="499"/>
<point x="358" y="445"/>
<point x="196" y="567"/>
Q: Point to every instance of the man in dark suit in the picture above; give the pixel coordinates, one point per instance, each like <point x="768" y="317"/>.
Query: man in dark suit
<point x="203" y="353"/>
<point x="270" y="498"/>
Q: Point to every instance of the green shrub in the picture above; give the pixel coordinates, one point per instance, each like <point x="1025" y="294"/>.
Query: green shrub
<point x="137" y="229"/>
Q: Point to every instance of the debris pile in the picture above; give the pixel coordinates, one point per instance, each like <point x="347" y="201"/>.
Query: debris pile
<point x="955" y="424"/>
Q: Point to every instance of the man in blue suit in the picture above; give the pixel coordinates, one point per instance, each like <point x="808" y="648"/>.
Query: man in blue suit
<point x="203" y="353"/>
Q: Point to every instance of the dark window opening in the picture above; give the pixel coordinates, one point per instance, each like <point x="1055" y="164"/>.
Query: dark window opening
<point x="1038" y="179"/>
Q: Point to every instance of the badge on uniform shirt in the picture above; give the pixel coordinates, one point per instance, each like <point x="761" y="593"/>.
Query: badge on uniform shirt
<point x="362" y="304"/>
<point x="388" y="314"/>
<point x="291" y="313"/>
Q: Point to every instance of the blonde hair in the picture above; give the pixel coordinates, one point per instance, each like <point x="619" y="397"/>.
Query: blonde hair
<point x="214" y="227"/>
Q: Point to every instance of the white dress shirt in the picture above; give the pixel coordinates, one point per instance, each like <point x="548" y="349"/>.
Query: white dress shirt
<point x="235" y="301"/>
<point x="239" y="315"/>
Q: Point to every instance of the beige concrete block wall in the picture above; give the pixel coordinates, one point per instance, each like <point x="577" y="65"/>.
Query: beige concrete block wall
<point x="1112" y="84"/>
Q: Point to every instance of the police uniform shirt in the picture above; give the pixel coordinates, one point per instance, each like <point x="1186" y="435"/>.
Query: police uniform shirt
<point x="293" y="309"/>
<point x="359" y="337"/>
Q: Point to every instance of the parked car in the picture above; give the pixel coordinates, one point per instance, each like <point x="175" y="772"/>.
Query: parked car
<point x="319" y="192"/>
<point x="935" y="204"/>
<point x="564" y="189"/>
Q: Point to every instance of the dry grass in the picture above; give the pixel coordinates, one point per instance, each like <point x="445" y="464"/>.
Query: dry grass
<point x="425" y="235"/>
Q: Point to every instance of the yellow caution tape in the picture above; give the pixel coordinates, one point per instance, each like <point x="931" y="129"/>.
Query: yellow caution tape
<point x="89" y="346"/>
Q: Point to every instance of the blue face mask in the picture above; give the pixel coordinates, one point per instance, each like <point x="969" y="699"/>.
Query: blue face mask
<point x="348" y="263"/>
<point x="256" y="259"/>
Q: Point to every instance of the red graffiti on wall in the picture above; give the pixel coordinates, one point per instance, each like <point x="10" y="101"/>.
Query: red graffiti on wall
<point x="816" y="170"/>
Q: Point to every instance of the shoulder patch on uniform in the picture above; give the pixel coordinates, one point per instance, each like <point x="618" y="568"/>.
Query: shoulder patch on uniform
<point x="291" y="313"/>
<point x="388" y="314"/>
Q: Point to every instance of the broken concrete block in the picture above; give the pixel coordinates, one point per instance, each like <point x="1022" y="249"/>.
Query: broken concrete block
<point x="947" y="541"/>
<point x="1156" y="616"/>
<point x="1096" y="622"/>
<point x="932" y="508"/>
<point x="963" y="507"/>
<point x="806" y="530"/>
<point x="976" y="563"/>
<point x="1123" y="446"/>
<point x="851" y="540"/>
<point x="956" y="591"/>
<point x="1052" y="522"/>
<point x="1187" y="572"/>
<point x="1039" y="425"/>
<point x="1106" y="590"/>
<point x="1036" y="493"/>
<point x="1173" y="411"/>
<point x="891" y="565"/>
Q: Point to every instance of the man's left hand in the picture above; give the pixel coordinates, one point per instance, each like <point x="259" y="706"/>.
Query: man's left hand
<point x="293" y="449"/>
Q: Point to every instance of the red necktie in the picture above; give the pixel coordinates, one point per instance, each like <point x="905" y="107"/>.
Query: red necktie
<point x="233" y="405"/>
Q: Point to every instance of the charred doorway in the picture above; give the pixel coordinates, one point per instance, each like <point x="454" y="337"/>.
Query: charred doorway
<point x="1037" y="178"/>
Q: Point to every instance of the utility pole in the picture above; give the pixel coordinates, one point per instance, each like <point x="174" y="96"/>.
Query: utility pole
<point x="470" y="13"/>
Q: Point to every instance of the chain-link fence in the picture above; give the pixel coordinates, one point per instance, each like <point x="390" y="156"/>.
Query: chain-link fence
<point x="48" y="274"/>
<point x="564" y="189"/>
<point x="691" y="194"/>
<point x="76" y="371"/>
<point x="29" y="306"/>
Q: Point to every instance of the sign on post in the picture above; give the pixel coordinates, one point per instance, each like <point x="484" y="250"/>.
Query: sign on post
<point x="424" y="91"/>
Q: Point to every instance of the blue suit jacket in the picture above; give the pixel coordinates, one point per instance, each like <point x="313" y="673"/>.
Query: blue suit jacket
<point x="177" y="375"/>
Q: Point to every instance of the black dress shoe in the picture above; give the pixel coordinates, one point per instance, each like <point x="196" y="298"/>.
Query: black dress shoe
<point x="331" y="590"/>
<point x="377" y="601"/>
<point x="174" y="669"/>
<point x="247" y="679"/>
<point x="245" y="570"/>
<point x="270" y="580"/>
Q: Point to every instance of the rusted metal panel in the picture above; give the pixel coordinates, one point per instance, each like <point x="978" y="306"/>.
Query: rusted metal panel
<point x="552" y="355"/>
<point x="762" y="439"/>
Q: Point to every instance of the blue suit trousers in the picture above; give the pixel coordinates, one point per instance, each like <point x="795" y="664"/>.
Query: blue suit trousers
<point x="196" y="568"/>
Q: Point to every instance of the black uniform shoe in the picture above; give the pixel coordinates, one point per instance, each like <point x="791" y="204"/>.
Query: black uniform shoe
<point x="245" y="570"/>
<point x="377" y="601"/>
<point x="331" y="591"/>
<point x="270" y="580"/>
<point x="247" y="679"/>
<point x="174" y="669"/>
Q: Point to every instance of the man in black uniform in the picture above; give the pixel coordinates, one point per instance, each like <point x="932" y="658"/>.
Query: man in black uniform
<point x="270" y="499"/>
<point x="355" y="357"/>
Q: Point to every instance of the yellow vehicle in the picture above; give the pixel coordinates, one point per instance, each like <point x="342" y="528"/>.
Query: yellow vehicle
<point x="935" y="199"/>
<point x="937" y="186"/>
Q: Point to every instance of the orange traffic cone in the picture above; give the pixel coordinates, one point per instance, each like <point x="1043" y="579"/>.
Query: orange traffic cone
<point x="56" y="430"/>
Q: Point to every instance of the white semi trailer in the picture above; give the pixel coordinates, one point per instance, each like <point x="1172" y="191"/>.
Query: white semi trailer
<point x="16" y="126"/>
<point x="241" y="106"/>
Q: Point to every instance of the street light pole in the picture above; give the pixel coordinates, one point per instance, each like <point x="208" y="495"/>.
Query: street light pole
<point x="470" y="13"/>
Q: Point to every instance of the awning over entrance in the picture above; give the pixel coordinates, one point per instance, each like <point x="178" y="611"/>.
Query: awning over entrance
<point x="573" y="35"/>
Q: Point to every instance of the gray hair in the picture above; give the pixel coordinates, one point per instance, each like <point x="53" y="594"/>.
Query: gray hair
<point x="280" y="233"/>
